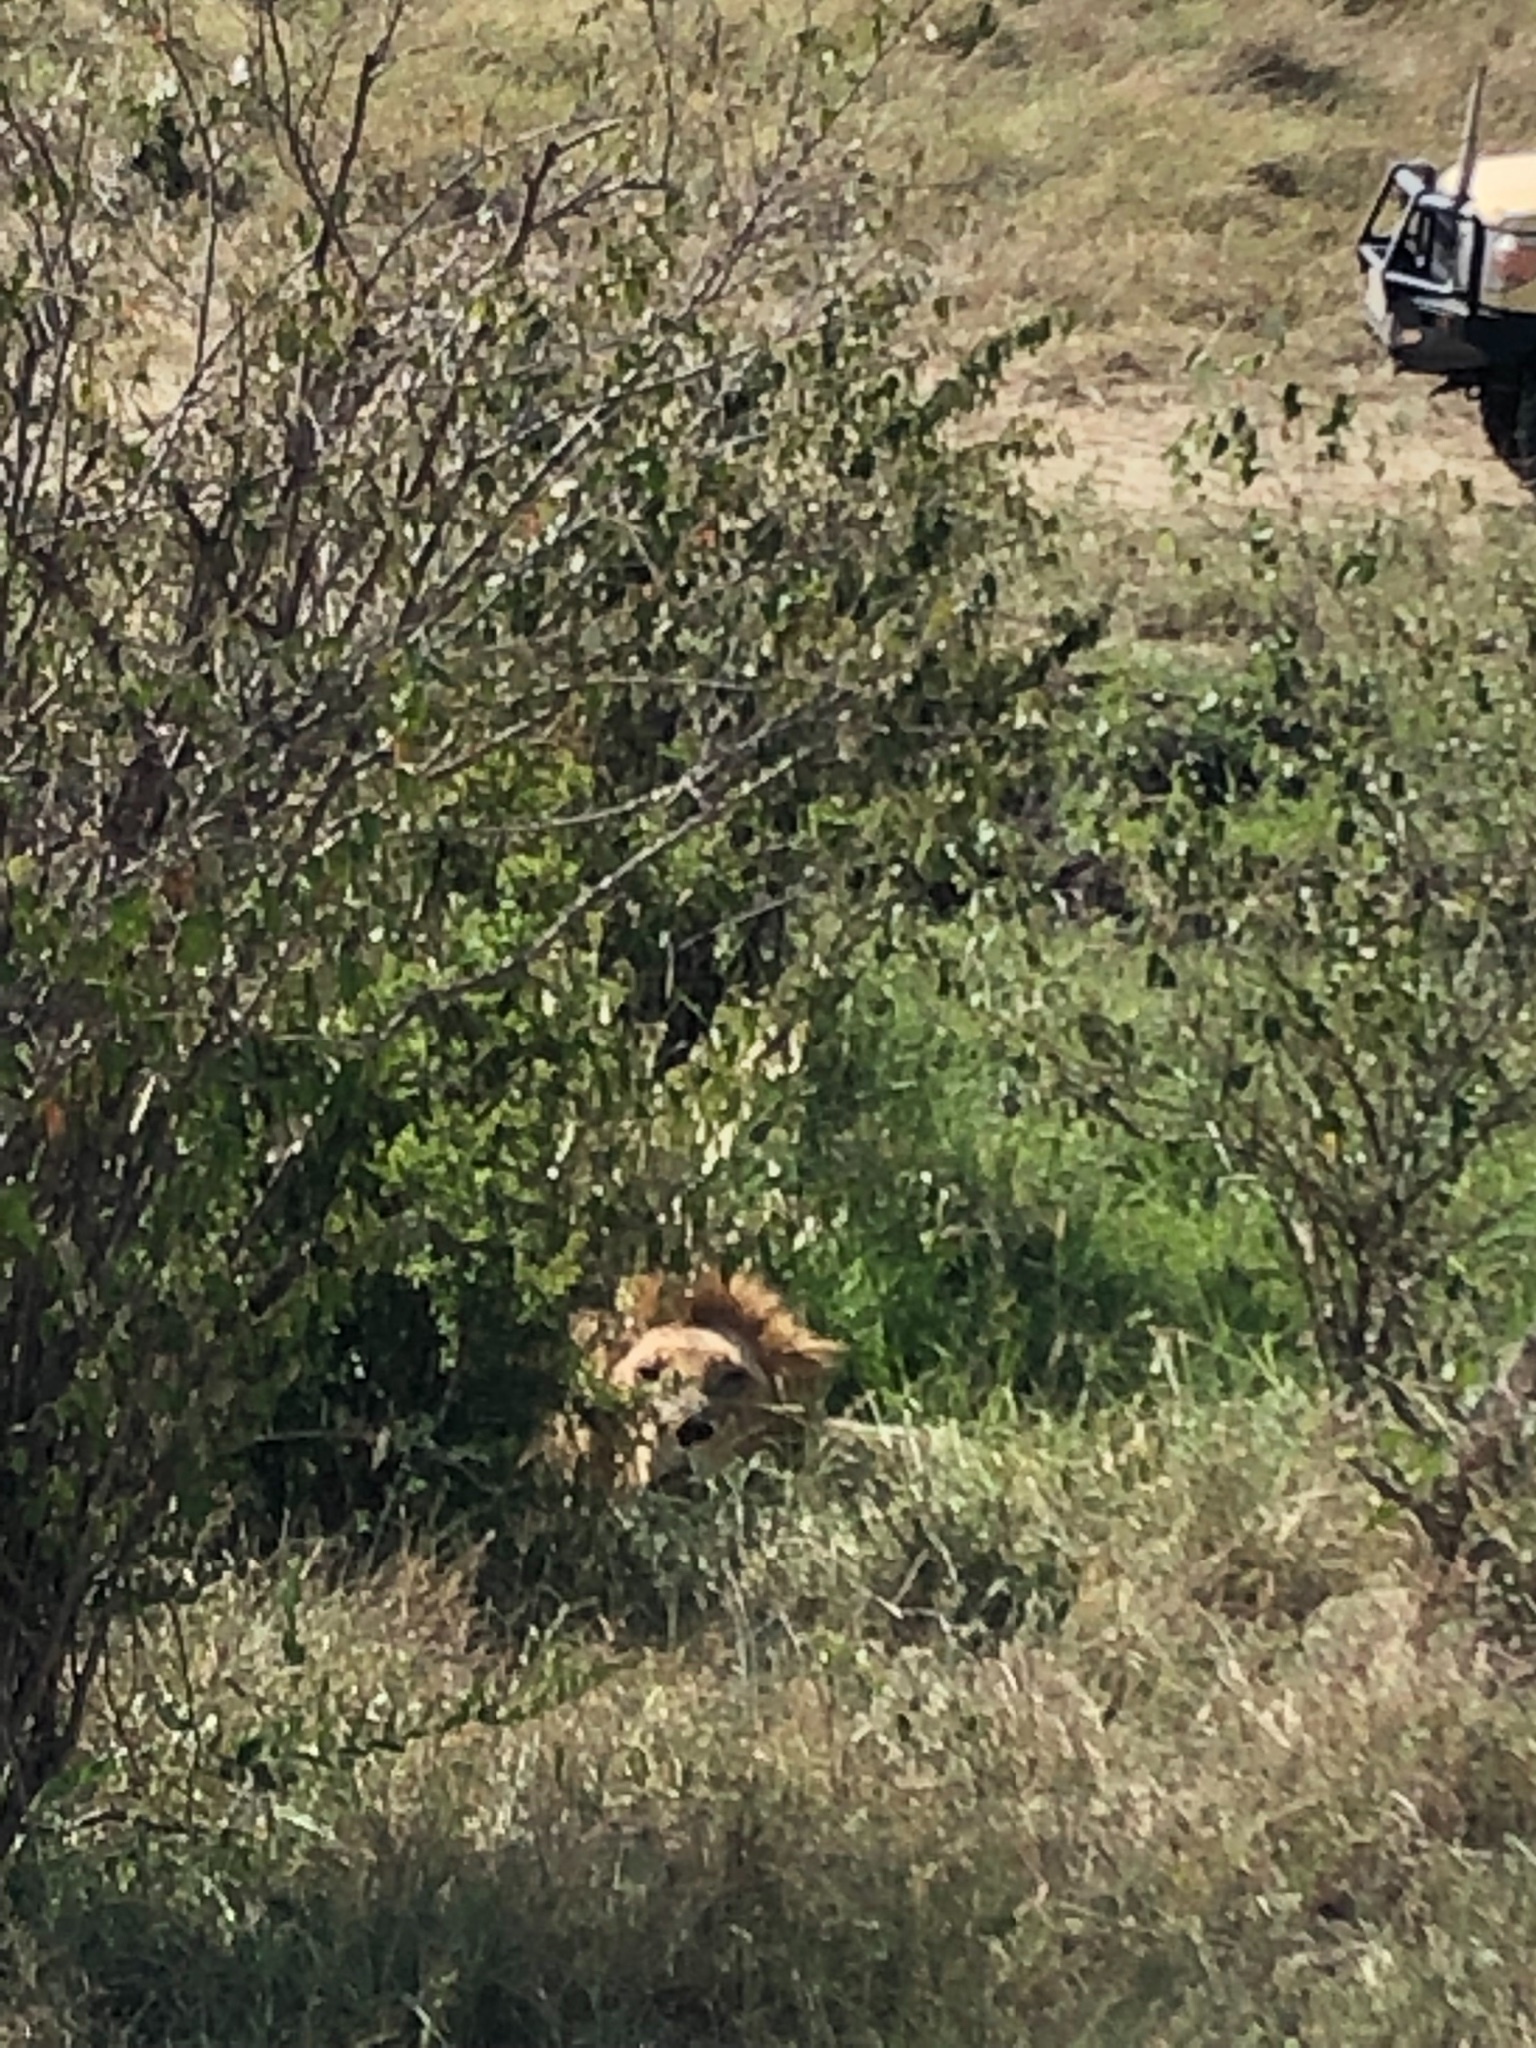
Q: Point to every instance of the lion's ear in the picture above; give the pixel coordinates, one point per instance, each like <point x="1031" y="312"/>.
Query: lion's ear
<point x="746" y="1303"/>
<point x="712" y="1302"/>
<point x="806" y="1360"/>
<point x="754" y="1301"/>
<point x="742" y="1304"/>
<point x="646" y="1299"/>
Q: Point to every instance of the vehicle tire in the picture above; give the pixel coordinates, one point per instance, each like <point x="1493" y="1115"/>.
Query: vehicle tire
<point x="1507" y="402"/>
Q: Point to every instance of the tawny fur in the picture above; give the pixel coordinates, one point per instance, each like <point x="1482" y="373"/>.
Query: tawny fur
<point x="688" y="1375"/>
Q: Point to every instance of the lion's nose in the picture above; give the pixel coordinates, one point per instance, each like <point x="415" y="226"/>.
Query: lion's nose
<point x="698" y="1429"/>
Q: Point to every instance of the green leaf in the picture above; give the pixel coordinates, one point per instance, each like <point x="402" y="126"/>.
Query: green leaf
<point x="131" y="919"/>
<point x="17" y="1227"/>
<point x="199" y="939"/>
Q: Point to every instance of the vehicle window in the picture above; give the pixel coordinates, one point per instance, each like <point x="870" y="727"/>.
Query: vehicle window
<point x="1428" y="246"/>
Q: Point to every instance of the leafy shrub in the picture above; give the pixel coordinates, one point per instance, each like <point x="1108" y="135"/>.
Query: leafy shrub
<point x="1322" y="976"/>
<point x="485" y="577"/>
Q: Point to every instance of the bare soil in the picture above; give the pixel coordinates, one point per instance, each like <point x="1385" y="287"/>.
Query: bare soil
<point x="1116" y="444"/>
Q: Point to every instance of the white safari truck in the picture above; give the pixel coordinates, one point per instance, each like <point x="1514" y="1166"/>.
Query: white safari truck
<point x="1449" y="261"/>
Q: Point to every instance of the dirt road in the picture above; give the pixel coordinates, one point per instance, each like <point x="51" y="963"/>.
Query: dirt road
<point x="1113" y="445"/>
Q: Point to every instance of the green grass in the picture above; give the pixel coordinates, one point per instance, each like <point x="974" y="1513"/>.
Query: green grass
<point x="965" y="1238"/>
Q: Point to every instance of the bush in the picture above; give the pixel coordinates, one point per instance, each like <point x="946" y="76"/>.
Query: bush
<point x="486" y="568"/>
<point x="1320" y="981"/>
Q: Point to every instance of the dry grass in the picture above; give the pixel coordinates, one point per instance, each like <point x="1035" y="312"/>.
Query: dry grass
<point x="1181" y="180"/>
<point x="1242" y="1773"/>
<point x="1179" y="176"/>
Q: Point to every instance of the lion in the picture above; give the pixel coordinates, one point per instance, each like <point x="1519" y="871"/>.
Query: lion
<point x="692" y="1375"/>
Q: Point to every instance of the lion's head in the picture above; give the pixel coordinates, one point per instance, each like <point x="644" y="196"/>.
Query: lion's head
<point x="704" y="1371"/>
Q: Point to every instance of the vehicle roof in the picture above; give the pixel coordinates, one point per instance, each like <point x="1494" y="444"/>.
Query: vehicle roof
<point x="1502" y="186"/>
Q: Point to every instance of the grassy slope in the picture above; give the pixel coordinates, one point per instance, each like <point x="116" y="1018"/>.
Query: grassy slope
<point x="1181" y="181"/>
<point x="1186" y="180"/>
<point x="1174" y="173"/>
<point x="1183" y="178"/>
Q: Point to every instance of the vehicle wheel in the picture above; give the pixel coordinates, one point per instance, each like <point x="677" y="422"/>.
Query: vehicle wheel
<point x="1508" y="406"/>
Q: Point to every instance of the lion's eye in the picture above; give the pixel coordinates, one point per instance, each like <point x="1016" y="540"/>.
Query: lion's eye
<point x="734" y="1380"/>
<point x="652" y="1371"/>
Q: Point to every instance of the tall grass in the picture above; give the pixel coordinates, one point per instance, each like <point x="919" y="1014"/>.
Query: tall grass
<point x="1139" y="1731"/>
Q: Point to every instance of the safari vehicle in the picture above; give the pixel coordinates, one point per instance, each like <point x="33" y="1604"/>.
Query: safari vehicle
<point x="1449" y="261"/>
